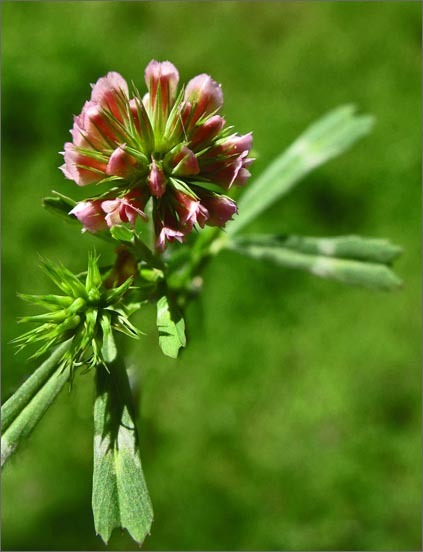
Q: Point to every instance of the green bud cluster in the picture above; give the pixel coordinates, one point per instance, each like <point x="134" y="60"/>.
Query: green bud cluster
<point x="88" y="313"/>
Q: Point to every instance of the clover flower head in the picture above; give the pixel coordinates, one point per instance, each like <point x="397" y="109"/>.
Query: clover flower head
<point x="168" y="147"/>
<point x="88" y="313"/>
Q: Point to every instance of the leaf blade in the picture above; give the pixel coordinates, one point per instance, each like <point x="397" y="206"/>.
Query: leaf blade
<point x="25" y="422"/>
<point x="371" y="275"/>
<point x="120" y="497"/>
<point x="171" y="327"/>
<point x="25" y="393"/>
<point x="330" y="136"/>
<point x="345" y="247"/>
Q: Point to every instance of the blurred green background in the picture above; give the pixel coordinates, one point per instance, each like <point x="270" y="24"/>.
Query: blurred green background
<point x="292" y="421"/>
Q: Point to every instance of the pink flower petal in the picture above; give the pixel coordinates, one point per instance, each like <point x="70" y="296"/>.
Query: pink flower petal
<point x="108" y="91"/>
<point x="168" y="235"/>
<point x="156" y="180"/>
<point x="237" y="144"/>
<point x="121" y="163"/>
<point x="124" y="209"/>
<point x="82" y="168"/>
<point x="205" y="94"/>
<point x="207" y="131"/>
<point x="220" y="208"/>
<point x="90" y="214"/>
<point x="163" y="76"/>
<point x="184" y="163"/>
<point x="190" y="211"/>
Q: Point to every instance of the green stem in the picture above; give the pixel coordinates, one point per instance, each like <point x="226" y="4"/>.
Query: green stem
<point x="207" y="245"/>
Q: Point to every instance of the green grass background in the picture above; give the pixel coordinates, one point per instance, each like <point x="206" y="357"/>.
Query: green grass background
<point x="292" y="421"/>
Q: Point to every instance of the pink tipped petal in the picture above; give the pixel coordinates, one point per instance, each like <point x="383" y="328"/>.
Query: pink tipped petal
<point x="108" y="91"/>
<point x="168" y="235"/>
<point x="146" y="101"/>
<point x="238" y="144"/>
<point x="134" y="106"/>
<point x="205" y="93"/>
<point x="112" y="210"/>
<point x="89" y="213"/>
<point x="66" y="172"/>
<point x="163" y="76"/>
<point x="83" y="169"/>
<point x="98" y="128"/>
<point x="220" y="208"/>
<point x="124" y="209"/>
<point x="184" y="163"/>
<point x="228" y="172"/>
<point x="120" y="163"/>
<point x="205" y="132"/>
<point x="190" y="211"/>
<point x="156" y="180"/>
<point x="242" y="177"/>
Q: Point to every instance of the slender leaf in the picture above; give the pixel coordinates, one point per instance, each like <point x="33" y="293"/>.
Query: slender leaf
<point x="28" y="417"/>
<point x="370" y="275"/>
<point x="171" y="326"/>
<point x="120" y="496"/>
<point x="325" y="139"/>
<point x="344" y="247"/>
<point x="108" y="349"/>
<point x="27" y="391"/>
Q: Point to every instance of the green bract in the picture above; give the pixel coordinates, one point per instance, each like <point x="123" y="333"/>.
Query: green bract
<point x="87" y="313"/>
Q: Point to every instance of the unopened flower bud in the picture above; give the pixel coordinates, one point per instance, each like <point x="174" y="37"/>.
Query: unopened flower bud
<point x="207" y="131"/>
<point x="219" y="207"/>
<point x="161" y="79"/>
<point x="205" y="94"/>
<point x="120" y="163"/>
<point x="156" y="180"/>
<point x="182" y="162"/>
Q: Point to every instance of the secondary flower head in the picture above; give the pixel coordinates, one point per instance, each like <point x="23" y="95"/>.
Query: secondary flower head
<point x="168" y="147"/>
<point x="87" y="313"/>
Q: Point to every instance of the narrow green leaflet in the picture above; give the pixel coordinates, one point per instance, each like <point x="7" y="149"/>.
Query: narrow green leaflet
<point x="367" y="274"/>
<point x="22" y="412"/>
<point x="120" y="496"/>
<point x="344" y="247"/>
<point x="27" y="391"/>
<point x="171" y="326"/>
<point x="108" y="349"/>
<point x="325" y="139"/>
